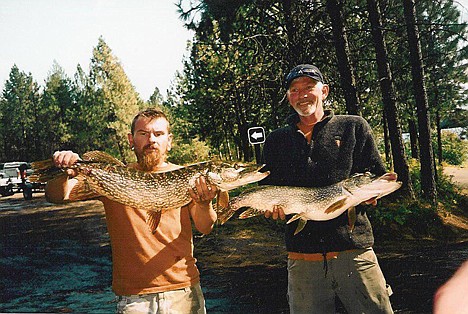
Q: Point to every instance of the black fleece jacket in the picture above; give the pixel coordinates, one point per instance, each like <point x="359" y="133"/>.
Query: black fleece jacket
<point x="341" y="145"/>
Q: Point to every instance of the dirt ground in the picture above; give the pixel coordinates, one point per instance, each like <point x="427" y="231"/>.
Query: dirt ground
<point x="56" y="258"/>
<point x="459" y="175"/>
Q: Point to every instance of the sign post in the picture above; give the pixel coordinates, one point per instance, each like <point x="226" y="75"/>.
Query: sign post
<point x="256" y="136"/>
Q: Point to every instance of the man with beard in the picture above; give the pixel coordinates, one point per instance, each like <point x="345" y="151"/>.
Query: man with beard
<point x="154" y="269"/>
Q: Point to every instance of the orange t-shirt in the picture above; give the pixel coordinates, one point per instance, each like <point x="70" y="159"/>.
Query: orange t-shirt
<point x="144" y="262"/>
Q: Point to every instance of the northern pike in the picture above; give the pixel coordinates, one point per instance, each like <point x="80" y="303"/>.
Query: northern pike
<point x="105" y="175"/>
<point x="313" y="203"/>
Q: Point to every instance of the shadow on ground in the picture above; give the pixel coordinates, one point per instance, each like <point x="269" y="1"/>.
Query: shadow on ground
<point x="56" y="258"/>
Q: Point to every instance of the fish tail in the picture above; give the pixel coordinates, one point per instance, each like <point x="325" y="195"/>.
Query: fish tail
<point x="300" y="225"/>
<point x="225" y="212"/>
<point x="44" y="171"/>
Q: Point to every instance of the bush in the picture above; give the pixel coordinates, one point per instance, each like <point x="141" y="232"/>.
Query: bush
<point x="191" y="152"/>
<point x="454" y="149"/>
<point x="396" y="217"/>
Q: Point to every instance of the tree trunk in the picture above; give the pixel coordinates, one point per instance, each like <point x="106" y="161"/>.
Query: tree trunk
<point x="258" y="153"/>
<point x="413" y="132"/>
<point x="348" y="81"/>
<point x="245" y="144"/>
<point x="227" y="149"/>
<point x="388" y="155"/>
<point x="428" y="185"/>
<point x="389" y="99"/>
<point x="294" y="49"/>
<point x="439" y="137"/>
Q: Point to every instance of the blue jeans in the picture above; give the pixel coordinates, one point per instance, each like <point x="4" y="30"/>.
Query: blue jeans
<point x="354" y="276"/>
<point x="182" y="301"/>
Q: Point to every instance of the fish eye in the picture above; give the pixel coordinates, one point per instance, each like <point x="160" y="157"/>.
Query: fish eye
<point x="239" y="165"/>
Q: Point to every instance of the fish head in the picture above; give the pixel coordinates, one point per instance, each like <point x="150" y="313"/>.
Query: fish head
<point x="230" y="176"/>
<point x="372" y="185"/>
<point x="358" y="180"/>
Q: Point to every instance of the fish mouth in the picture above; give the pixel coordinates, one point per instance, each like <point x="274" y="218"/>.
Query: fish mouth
<point x="390" y="176"/>
<point x="249" y="177"/>
<point x="231" y="176"/>
<point x="247" y="169"/>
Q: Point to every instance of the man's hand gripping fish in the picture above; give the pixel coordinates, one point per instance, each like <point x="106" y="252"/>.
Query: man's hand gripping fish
<point x="317" y="203"/>
<point x="102" y="174"/>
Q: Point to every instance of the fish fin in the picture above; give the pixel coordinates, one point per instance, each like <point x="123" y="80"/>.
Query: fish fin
<point x="374" y="196"/>
<point x="44" y="170"/>
<point x="82" y="190"/>
<point x="98" y="156"/>
<point x="294" y="218"/>
<point x="351" y="218"/>
<point x="249" y="213"/>
<point x="222" y="208"/>
<point x="222" y="199"/>
<point x="300" y="225"/>
<point x="225" y="215"/>
<point x="337" y="205"/>
<point x="224" y="211"/>
<point x="152" y="220"/>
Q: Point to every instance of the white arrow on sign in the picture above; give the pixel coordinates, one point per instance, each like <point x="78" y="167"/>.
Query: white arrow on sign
<point x="256" y="135"/>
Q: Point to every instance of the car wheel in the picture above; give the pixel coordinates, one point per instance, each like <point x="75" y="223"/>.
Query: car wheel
<point x="7" y="191"/>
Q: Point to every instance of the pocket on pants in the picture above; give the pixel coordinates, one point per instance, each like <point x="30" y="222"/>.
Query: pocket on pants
<point x="132" y="304"/>
<point x="186" y="300"/>
<point x="365" y="260"/>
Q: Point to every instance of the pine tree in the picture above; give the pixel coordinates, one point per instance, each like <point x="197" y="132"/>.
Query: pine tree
<point x="120" y="101"/>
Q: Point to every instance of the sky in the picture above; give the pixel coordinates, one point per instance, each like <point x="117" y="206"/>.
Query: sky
<point x="146" y="36"/>
<point x="463" y="8"/>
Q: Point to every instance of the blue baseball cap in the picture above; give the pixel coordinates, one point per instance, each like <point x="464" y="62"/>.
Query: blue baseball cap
<point x="308" y="70"/>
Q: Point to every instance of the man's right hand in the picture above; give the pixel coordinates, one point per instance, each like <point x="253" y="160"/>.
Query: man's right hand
<point x="65" y="159"/>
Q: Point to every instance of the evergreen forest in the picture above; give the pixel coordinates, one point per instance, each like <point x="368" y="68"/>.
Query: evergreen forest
<point x="401" y="64"/>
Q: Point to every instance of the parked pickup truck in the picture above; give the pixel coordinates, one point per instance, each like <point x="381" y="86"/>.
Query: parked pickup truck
<point x="6" y="186"/>
<point x="15" y="179"/>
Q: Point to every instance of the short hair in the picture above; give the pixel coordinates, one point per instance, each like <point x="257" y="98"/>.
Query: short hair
<point x="151" y="113"/>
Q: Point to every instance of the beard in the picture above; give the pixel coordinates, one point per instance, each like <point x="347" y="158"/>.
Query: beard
<point x="149" y="160"/>
<point x="306" y="109"/>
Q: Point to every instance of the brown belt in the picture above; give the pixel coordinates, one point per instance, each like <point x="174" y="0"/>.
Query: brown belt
<point x="312" y="257"/>
<point x="315" y="257"/>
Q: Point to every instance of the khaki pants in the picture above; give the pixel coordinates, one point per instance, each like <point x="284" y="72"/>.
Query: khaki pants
<point x="183" y="301"/>
<point x="354" y="276"/>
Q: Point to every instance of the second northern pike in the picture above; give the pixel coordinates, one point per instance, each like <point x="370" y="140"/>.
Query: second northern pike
<point x="104" y="175"/>
<point x="316" y="203"/>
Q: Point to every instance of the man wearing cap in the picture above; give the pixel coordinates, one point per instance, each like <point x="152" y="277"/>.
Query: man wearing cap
<point x="318" y="148"/>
